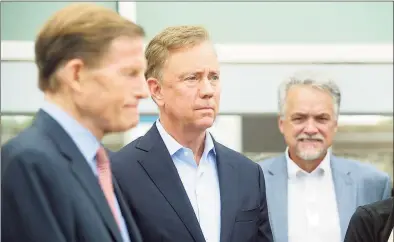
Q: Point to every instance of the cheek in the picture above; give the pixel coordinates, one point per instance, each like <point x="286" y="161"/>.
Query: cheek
<point x="328" y="134"/>
<point x="326" y="130"/>
<point x="217" y="96"/>
<point x="295" y="130"/>
<point x="112" y="101"/>
<point x="183" y="98"/>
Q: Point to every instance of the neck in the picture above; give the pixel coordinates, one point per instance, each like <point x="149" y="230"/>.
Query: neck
<point x="189" y="138"/>
<point x="71" y="109"/>
<point x="307" y="166"/>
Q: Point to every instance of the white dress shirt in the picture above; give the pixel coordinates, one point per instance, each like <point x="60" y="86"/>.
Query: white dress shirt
<point x="312" y="206"/>
<point x="200" y="182"/>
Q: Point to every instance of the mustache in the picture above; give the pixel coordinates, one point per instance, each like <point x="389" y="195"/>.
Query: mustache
<point x="315" y="137"/>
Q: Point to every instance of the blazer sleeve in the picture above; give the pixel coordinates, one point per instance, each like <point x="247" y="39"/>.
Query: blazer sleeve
<point x="362" y="227"/>
<point x="26" y="211"/>
<point x="265" y="233"/>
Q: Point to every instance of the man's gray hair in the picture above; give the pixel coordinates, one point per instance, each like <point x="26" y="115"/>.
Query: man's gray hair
<point x="313" y="79"/>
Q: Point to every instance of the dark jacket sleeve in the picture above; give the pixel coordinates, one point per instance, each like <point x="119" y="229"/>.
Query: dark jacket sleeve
<point x="27" y="211"/>
<point x="363" y="226"/>
<point x="265" y="233"/>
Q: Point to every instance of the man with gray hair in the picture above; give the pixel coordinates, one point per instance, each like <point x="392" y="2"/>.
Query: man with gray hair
<point x="311" y="193"/>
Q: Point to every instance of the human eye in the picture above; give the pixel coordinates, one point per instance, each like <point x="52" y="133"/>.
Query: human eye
<point x="133" y="73"/>
<point x="214" y="78"/>
<point x="191" y="78"/>
<point x="297" y="119"/>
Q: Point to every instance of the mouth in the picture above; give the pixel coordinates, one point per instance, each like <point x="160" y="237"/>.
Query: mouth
<point x="130" y="106"/>
<point x="310" y="140"/>
<point x="205" y="108"/>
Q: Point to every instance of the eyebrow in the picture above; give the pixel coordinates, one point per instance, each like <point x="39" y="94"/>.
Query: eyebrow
<point x="305" y="114"/>
<point x="134" y="68"/>
<point x="182" y="75"/>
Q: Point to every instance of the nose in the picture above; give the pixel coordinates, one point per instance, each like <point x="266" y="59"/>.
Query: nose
<point x="141" y="90"/>
<point x="206" y="89"/>
<point x="311" y="128"/>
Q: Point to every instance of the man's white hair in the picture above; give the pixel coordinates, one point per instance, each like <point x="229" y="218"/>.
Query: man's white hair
<point x="312" y="79"/>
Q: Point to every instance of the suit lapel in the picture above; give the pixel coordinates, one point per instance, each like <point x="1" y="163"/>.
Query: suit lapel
<point x="228" y="182"/>
<point x="80" y="169"/>
<point x="134" y="232"/>
<point x="345" y="193"/>
<point x="161" y="169"/>
<point x="276" y="190"/>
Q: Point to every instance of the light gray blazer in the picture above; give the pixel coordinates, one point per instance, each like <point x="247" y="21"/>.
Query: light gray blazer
<point x="355" y="183"/>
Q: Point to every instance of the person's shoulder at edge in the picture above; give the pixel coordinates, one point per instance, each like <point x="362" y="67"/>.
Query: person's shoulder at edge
<point x="367" y="216"/>
<point x="382" y="208"/>
<point x="24" y="144"/>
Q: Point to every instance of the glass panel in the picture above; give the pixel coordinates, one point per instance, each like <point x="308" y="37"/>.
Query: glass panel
<point x="21" y="20"/>
<point x="272" y="22"/>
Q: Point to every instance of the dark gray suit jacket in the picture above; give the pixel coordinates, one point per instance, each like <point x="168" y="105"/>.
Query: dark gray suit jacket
<point x="49" y="192"/>
<point x="372" y="222"/>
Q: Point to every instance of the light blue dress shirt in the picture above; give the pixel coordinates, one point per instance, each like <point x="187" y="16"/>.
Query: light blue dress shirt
<point x="200" y="181"/>
<point x="87" y="144"/>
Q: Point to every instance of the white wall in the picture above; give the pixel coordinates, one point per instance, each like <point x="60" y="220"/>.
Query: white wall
<point x="247" y="88"/>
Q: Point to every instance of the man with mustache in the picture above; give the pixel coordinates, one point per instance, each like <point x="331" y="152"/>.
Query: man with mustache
<point x="311" y="193"/>
<point x="181" y="184"/>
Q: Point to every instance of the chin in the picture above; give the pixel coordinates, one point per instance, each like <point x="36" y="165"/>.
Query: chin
<point x="205" y="122"/>
<point x="310" y="155"/>
<point x="127" y="125"/>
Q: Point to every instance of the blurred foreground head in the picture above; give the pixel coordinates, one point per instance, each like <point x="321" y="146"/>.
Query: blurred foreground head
<point x="91" y="62"/>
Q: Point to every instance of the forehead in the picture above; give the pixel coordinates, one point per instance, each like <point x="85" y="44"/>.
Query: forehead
<point x="200" y="57"/>
<point x="127" y="52"/>
<point x="308" y="99"/>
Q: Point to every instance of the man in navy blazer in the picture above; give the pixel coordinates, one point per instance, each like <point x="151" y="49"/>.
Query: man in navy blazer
<point x="180" y="183"/>
<point x="56" y="178"/>
<point x="311" y="193"/>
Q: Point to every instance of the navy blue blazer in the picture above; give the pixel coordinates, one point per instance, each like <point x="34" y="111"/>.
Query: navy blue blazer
<point x="155" y="194"/>
<point x="49" y="192"/>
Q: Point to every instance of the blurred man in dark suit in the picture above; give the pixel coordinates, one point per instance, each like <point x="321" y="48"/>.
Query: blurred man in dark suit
<point x="57" y="184"/>
<point x="182" y="185"/>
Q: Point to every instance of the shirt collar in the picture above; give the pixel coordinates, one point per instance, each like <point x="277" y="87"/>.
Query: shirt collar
<point x="173" y="146"/>
<point x="86" y="142"/>
<point x="293" y="169"/>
